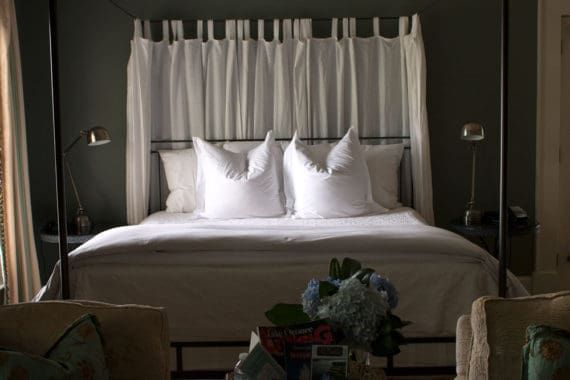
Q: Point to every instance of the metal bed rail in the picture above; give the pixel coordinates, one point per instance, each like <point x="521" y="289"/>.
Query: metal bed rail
<point x="391" y="369"/>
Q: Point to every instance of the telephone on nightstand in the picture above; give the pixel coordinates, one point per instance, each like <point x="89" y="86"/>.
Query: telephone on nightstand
<point x="517" y="216"/>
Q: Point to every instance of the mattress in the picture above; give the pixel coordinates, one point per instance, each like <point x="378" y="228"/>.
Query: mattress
<point x="216" y="278"/>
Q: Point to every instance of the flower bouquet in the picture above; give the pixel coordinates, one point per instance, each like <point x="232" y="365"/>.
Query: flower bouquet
<point x="358" y="304"/>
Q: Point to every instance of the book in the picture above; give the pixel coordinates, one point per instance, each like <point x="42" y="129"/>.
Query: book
<point x="259" y="364"/>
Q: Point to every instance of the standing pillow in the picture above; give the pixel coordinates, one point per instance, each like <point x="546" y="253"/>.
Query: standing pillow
<point x="77" y="354"/>
<point x="180" y="171"/>
<point x="546" y="354"/>
<point x="336" y="187"/>
<point x="239" y="185"/>
<point x="383" y="163"/>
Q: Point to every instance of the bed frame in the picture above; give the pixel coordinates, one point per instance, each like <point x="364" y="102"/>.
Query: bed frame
<point x="503" y="186"/>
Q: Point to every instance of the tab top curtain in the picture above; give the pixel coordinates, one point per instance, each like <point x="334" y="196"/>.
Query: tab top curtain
<point x="242" y="86"/>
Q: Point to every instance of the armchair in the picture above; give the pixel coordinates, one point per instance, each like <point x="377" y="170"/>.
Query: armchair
<point x="136" y="337"/>
<point x="489" y="341"/>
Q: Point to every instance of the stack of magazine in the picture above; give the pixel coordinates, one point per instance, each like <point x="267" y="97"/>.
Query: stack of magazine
<point x="300" y="352"/>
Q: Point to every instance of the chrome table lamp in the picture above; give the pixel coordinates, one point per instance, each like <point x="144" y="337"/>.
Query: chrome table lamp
<point x="95" y="136"/>
<point x="472" y="132"/>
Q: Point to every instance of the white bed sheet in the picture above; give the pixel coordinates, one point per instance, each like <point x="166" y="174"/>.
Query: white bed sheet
<point x="217" y="277"/>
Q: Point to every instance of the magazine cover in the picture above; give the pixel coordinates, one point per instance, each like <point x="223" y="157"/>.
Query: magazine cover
<point x="275" y="339"/>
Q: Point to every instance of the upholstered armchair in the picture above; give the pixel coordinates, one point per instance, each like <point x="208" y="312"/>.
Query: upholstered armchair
<point x="136" y="338"/>
<point x="490" y="340"/>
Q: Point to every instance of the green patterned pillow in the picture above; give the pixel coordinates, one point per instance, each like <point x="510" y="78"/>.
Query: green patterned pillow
<point x="77" y="354"/>
<point x="546" y="354"/>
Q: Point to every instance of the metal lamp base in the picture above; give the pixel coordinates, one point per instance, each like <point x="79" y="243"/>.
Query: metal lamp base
<point x="472" y="217"/>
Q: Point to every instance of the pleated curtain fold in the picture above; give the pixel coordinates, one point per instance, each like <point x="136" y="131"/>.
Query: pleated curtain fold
<point x="19" y="260"/>
<point x="242" y="86"/>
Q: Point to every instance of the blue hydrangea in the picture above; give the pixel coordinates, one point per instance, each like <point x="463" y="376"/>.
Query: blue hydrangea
<point x="310" y="298"/>
<point x="357" y="310"/>
<point x="385" y="287"/>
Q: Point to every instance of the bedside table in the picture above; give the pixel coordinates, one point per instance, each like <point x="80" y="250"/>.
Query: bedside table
<point x="48" y="253"/>
<point x="486" y="231"/>
<point x="72" y="239"/>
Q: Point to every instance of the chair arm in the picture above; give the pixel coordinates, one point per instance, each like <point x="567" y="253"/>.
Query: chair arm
<point x="464" y="339"/>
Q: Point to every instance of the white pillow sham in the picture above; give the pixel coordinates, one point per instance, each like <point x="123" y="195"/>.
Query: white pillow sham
<point x="180" y="171"/>
<point x="336" y="187"/>
<point x="238" y="185"/>
<point x="383" y="163"/>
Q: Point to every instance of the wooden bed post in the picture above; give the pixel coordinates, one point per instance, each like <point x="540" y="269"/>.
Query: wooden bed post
<point x="504" y="123"/>
<point x="58" y="150"/>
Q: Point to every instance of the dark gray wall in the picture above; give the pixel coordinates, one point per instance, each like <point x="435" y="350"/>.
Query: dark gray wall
<point x="462" y="49"/>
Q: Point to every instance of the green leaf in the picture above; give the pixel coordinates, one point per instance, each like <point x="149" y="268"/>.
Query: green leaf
<point x="284" y="314"/>
<point x="349" y="267"/>
<point x="326" y="289"/>
<point x="334" y="269"/>
<point x="395" y="322"/>
<point x="387" y="344"/>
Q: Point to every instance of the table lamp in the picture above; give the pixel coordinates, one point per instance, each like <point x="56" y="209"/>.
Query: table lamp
<point x="95" y="136"/>
<point x="472" y="132"/>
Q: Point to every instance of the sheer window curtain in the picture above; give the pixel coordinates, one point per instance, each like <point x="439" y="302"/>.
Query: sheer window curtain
<point x="244" y="85"/>
<point x="19" y="259"/>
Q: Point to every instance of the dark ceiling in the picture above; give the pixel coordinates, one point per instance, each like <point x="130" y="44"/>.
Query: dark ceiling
<point x="268" y="9"/>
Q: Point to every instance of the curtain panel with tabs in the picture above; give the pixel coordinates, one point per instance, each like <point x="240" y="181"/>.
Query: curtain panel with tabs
<point x="241" y="86"/>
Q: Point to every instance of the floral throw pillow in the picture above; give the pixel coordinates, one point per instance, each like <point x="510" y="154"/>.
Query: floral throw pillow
<point x="546" y="354"/>
<point x="77" y="354"/>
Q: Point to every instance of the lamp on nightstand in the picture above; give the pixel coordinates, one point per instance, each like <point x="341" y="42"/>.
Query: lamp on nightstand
<point x="472" y="132"/>
<point x="95" y="136"/>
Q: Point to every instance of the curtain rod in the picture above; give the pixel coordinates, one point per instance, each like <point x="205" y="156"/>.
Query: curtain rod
<point x="131" y="15"/>
<point x="271" y="19"/>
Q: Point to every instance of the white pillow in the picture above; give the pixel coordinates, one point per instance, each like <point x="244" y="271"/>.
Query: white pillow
<point x="337" y="187"/>
<point x="180" y="171"/>
<point x="238" y="185"/>
<point x="383" y="163"/>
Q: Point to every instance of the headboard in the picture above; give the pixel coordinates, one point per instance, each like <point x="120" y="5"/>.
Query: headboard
<point x="159" y="189"/>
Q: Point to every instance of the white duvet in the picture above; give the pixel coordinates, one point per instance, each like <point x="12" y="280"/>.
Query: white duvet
<point x="216" y="278"/>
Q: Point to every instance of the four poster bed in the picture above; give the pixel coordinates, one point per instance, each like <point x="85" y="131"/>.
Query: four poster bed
<point x="217" y="276"/>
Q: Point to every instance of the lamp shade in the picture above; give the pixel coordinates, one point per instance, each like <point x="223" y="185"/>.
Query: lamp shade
<point x="472" y="132"/>
<point x="98" y="136"/>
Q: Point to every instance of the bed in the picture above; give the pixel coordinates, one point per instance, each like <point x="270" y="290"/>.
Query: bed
<point x="216" y="278"/>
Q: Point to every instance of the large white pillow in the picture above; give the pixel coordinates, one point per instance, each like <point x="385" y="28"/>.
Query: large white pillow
<point x="180" y="171"/>
<point x="383" y="163"/>
<point x="336" y="187"/>
<point x="238" y="185"/>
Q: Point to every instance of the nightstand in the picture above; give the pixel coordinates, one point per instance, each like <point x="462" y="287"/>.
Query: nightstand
<point x="52" y="237"/>
<point x="490" y="231"/>
<point x="48" y="252"/>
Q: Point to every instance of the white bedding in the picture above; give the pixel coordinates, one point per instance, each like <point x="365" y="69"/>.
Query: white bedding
<point x="217" y="277"/>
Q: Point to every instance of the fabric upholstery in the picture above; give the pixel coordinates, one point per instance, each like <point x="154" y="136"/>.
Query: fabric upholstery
<point x="463" y="341"/>
<point x="498" y="329"/>
<point x="136" y="338"/>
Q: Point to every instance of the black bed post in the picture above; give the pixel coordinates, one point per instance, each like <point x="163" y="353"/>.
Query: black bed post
<point x="58" y="150"/>
<point x="503" y="222"/>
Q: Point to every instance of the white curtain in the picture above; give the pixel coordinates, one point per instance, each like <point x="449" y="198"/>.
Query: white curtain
<point x="19" y="258"/>
<point x="241" y="87"/>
